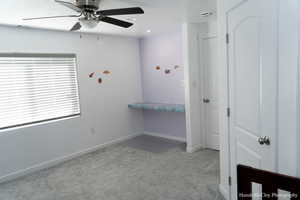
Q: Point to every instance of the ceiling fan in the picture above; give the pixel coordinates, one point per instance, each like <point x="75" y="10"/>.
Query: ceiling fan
<point x="89" y="16"/>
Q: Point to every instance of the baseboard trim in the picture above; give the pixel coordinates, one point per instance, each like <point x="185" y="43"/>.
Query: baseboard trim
<point x="224" y="191"/>
<point x="54" y="162"/>
<point x="161" y="135"/>
<point x="192" y="149"/>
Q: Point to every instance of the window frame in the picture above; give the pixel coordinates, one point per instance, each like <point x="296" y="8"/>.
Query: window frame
<point x="47" y="55"/>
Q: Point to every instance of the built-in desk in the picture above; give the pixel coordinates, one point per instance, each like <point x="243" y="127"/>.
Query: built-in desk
<point x="180" y="108"/>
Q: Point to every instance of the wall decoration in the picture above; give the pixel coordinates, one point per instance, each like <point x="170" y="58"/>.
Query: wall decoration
<point x="106" y="72"/>
<point x="100" y="80"/>
<point x="167" y="71"/>
<point x="91" y="75"/>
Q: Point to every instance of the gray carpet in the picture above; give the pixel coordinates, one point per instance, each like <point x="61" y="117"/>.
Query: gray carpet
<point x="153" y="144"/>
<point x="120" y="172"/>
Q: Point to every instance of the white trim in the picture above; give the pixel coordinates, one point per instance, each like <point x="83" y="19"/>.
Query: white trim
<point x="50" y="121"/>
<point x="209" y="37"/>
<point x="224" y="191"/>
<point x="188" y="82"/>
<point x="202" y="81"/>
<point x="161" y="135"/>
<point x="192" y="149"/>
<point x="223" y="100"/>
<point x="54" y="162"/>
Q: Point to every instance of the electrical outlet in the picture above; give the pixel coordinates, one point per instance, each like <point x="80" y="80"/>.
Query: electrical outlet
<point x="93" y="131"/>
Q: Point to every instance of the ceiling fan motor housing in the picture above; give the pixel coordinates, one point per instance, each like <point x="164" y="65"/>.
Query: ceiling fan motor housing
<point x="88" y="4"/>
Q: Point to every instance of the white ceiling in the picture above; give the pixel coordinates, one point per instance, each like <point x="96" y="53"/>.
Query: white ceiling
<point x="160" y="15"/>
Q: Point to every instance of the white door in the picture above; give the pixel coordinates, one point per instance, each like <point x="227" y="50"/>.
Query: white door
<point x="210" y="100"/>
<point x="252" y="55"/>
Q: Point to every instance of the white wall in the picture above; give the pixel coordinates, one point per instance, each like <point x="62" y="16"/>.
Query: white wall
<point x="192" y="85"/>
<point x="288" y="83"/>
<point x="105" y="116"/>
<point x="298" y="109"/>
<point x="212" y="28"/>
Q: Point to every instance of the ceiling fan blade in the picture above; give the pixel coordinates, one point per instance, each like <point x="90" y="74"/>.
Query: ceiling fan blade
<point x="69" y="5"/>
<point x="116" y="22"/>
<point x="121" y="11"/>
<point x="52" y="17"/>
<point x="76" y="27"/>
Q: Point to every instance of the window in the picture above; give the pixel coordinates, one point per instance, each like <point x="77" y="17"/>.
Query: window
<point x="37" y="88"/>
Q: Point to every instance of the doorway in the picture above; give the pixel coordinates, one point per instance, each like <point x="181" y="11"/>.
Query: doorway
<point x="210" y="93"/>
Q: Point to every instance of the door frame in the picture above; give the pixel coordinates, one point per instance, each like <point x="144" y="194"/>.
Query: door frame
<point x="193" y="65"/>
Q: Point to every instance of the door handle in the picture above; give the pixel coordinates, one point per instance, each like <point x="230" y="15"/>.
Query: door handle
<point x="206" y="100"/>
<point x="264" y="140"/>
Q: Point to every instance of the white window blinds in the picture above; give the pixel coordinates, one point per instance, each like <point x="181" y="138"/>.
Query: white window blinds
<point x="36" y="88"/>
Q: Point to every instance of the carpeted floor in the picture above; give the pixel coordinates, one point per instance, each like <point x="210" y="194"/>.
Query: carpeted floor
<point x="123" y="172"/>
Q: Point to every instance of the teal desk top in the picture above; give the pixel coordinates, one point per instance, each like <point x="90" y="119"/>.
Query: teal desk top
<point x="159" y="107"/>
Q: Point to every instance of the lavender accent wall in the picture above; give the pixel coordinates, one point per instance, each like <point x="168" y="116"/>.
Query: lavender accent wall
<point x="158" y="87"/>
<point x="165" y="51"/>
<point x="165" y="123"/>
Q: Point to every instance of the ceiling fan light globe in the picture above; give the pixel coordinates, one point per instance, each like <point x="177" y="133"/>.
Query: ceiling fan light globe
<point x="89" y="23"/>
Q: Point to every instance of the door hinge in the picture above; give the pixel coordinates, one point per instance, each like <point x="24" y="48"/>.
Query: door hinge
<point x="206" y="100"/>
<point x="227" y="38"/>
<point x="228" y="112"/>
<point x="229" y="181"/>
